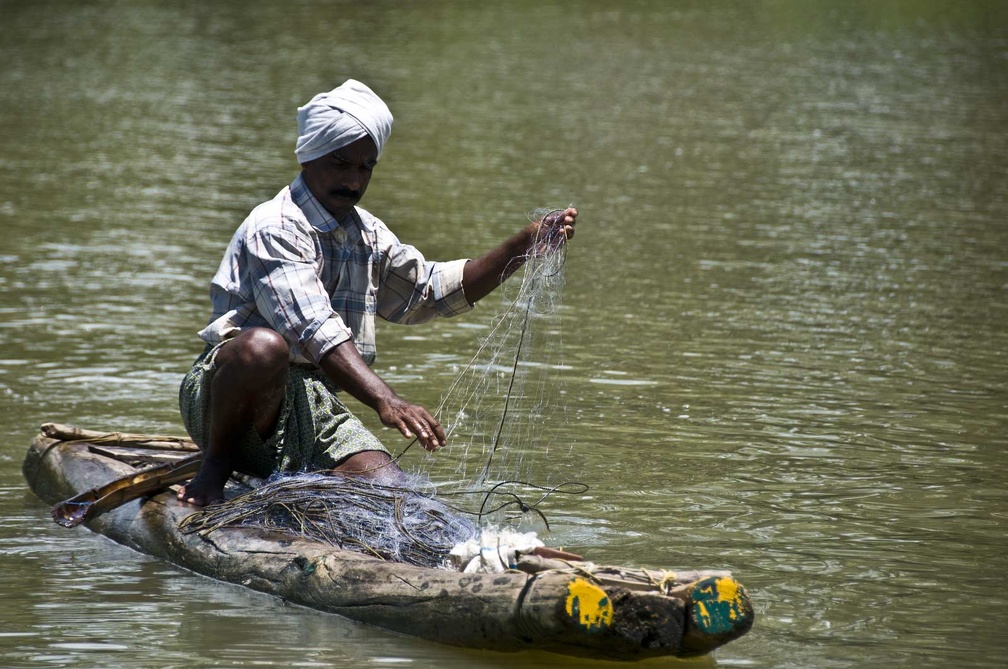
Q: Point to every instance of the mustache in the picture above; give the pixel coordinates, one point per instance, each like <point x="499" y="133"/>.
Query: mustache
<point x="347" y="193"/>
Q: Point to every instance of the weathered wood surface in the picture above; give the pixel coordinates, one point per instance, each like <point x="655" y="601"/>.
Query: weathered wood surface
<point x="568" y="607"/>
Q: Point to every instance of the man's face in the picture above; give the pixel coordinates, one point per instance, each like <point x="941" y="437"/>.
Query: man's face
<point x="338" y="179"/>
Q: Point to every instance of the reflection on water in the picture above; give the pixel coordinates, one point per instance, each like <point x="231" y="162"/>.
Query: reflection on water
<point x="784" y="345"/>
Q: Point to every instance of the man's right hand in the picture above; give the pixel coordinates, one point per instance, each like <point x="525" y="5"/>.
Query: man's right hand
<point x="412" y="420"/>
<point x="345" y="366"/>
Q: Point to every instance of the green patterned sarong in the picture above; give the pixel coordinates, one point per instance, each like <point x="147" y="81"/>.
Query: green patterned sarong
<point x="315" y="431"/>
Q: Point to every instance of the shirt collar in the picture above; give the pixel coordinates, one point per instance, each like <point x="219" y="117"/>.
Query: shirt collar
<point x="317" y="216"/>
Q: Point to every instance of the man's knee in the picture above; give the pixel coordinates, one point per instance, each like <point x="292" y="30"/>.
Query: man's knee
<point x="249" y="379"/>
<point x="258" y="350"/>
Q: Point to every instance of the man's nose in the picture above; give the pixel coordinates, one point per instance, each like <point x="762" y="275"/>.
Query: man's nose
<point x="354" y="179"/>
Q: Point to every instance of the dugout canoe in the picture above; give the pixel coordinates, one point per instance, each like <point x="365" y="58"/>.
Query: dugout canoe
<point x="569" y="607"/>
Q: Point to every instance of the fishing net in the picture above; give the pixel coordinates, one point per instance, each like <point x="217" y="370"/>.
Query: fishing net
<point x="504" y="412"/>
<point x="403" y="523"/>
<point x="504" y="418"/>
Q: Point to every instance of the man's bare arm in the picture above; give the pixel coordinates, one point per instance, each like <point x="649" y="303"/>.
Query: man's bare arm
<point x="479" y="277"/>
<point x="482" y="275"/>
<point x="347" y="368"/>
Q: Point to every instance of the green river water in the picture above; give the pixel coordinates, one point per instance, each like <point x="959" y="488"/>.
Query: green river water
<point x="784" y="326"/>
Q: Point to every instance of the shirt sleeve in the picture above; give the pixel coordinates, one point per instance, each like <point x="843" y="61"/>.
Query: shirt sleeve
<point x="415" y="290"/>
<point x="288" y="293"/>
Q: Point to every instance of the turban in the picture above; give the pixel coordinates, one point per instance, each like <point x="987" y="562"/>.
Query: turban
<point x="343" y="115"/>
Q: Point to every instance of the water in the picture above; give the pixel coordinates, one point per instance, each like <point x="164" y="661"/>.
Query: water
<point x="784" y="324"/>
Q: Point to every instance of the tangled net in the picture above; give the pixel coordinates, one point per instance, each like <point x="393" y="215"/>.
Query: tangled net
<point x="504" y="412"/>
<point x="501" y="414"/>
<point x="397" y="523"/>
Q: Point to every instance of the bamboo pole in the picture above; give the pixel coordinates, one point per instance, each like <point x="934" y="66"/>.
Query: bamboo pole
<point x="160" y="442"/>
<point x="92" y="503"/>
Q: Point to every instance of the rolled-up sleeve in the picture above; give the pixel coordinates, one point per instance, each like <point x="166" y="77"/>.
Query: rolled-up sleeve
<point x="414" y="290"/>
<point x="289" y="294"/>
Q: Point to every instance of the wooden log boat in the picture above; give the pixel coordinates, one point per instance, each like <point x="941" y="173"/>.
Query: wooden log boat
<point x="566" y="606"/>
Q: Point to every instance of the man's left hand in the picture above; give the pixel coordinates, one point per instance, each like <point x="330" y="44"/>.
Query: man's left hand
<point x="557" y="227"/>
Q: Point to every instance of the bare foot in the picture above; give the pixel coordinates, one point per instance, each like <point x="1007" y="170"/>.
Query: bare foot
<point x="208" y="485"/>
<point x="193" y="493"/>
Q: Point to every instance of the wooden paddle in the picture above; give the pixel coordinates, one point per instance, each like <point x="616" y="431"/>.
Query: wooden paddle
<point x="92" y="503"/>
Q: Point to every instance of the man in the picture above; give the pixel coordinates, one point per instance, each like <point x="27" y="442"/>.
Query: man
<point x="294" y="304"/>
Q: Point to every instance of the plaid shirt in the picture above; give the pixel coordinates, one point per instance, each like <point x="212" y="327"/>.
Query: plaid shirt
<point x="318" y="282"/>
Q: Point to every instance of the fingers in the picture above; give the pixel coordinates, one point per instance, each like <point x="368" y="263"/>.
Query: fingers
<point x="561" y="217"/>
<point x="413" y="420"/>
<point x="429" y="438"/>
<point x="560" y="221"/>
<point x="425" y="427"/>
<point x="569" y="220"/>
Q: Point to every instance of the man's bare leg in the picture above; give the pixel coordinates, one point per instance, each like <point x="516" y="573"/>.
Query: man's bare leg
<point x="376" y="466"/>
<point x="247" y="390"/>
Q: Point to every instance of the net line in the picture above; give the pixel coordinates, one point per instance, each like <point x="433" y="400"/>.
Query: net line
<point x="504" y="413"/>
<point x="402" y="523"/>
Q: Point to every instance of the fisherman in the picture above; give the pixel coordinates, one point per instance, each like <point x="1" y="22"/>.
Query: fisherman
<point x="294" y="305"/>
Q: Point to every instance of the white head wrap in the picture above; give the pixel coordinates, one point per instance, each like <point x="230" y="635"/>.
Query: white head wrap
<point x="343" y="115"/>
